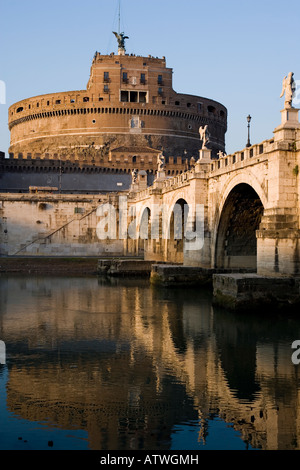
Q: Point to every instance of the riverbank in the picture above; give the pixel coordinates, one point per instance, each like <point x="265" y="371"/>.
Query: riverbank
<point x="238" y="291"/>
<point x="59" y="266"/>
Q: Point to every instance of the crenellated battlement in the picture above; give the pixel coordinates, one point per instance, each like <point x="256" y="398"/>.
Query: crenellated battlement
<point x="120" y="161"/>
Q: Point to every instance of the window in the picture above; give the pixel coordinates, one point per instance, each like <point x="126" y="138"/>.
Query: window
<point x="143" y="78"/>
<point x="125" y="77"/>
<point x="160" y="91"/>
<point x="57" y="101"/>
<point x="38" y="105"/>
<point x="86" y="99"/>
<point x="20" y="109"/>
<point x="159" y="80"/>
<point x="124" y="96"/>
<point x="106" y="89"/>
<point x="211" y="109"/>
<point x="106" y="76"/>
<point x="242" y="156"/>
<point x="48" y="103"/>
<point x="133" y="96"/>
<point x="142" y="97"/>
<point x="199" y="106"/>
<point x="177" y="103"/>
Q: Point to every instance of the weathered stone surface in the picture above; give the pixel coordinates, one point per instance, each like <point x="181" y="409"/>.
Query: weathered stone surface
<point x="125" y="267"/>
<point x="172" y="275"/>
<point x="250" y="291"/>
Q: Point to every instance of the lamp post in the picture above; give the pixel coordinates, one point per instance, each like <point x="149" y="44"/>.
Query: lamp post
<point x="248" y="120"/>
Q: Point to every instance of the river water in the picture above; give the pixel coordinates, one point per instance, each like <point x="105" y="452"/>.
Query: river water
<point x="116" y="364"/>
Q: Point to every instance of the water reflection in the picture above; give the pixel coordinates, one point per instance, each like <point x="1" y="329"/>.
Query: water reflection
<point x="138" y="368"/>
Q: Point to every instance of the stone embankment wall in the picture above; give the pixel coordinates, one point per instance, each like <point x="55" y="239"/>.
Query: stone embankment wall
<point x="52" y="225"/>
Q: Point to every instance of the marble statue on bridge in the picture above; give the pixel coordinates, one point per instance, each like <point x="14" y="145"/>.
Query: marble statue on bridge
<point x="288" y="88"/>
<point x="204" y="136"/>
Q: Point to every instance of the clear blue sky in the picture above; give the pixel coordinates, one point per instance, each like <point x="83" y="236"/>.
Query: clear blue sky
<point x="234" y="51"/>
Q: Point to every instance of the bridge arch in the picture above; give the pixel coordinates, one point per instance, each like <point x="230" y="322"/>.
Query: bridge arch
<point x="176" y="227"/>
<point x="246" y="177"/>
<point x="144" y="230"/>
<point x="238" y="218"/>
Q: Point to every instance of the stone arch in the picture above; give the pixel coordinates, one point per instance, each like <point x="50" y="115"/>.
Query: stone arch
<point x="235" y="236"/>
<point x="247" y="178"/>
<point x="177" y="222"/>
<point x="144" y="231"/>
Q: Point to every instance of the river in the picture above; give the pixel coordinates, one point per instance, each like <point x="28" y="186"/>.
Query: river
<point x="115" y="364"/>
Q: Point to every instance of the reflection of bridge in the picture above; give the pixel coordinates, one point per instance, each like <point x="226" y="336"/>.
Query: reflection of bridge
<point x="108" y="367"/>
<point x="250" y="201"/>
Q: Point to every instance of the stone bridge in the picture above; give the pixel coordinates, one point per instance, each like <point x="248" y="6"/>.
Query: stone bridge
<point x="243" y="207"/>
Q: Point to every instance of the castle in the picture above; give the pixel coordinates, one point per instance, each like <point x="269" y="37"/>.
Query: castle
<point x="91" y="140"/>
<point x="242" y="209"/>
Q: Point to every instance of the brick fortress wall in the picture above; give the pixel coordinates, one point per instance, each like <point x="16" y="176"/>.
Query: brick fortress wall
<point x="129" y="101"/>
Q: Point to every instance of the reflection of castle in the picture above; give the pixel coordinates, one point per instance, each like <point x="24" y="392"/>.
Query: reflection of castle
<point x="123" y="377"/>
<point x="127" y="115"/>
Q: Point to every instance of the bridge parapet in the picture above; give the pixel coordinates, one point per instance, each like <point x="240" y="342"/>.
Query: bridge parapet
<point x="246" y="157"/>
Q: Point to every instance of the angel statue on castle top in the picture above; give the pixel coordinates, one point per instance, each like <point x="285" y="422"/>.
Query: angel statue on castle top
<point x="121" y="39"/>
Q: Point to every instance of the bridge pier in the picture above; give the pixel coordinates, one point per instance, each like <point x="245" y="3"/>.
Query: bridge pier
<point x="249" y="292"/>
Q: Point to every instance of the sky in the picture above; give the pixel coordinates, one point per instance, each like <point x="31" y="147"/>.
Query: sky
<point x="236" y="52"/>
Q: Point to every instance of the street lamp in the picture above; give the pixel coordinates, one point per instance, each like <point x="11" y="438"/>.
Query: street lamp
<point x="248" y="120"/>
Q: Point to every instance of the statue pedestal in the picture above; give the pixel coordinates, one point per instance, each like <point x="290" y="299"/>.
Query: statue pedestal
<point x="289" y="122"/>
<point x="204" y="159"/>
<point x="159" y="180"/>
<point x="289" y="117"/>
<point x="204" y="156"/>
<point x="160" y="175"/>
<point x="134" y="188"/>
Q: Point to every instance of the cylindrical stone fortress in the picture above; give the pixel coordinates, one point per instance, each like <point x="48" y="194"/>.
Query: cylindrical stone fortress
<point x="129" y="103"/>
